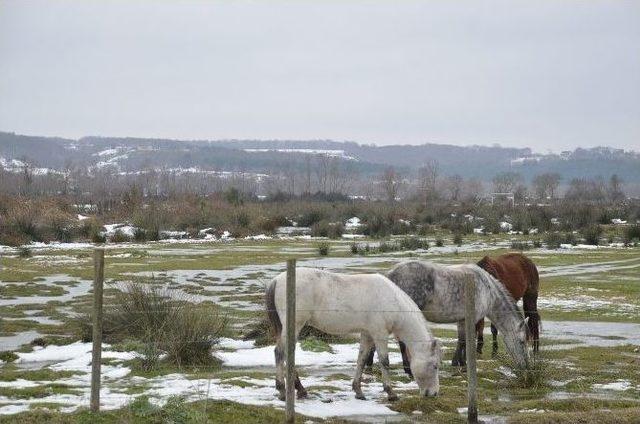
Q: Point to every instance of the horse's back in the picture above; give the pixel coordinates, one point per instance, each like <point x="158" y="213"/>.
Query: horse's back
<point x="340" y="303"/>
<point x="436" y="289"/>
<point x="516" y="271"/>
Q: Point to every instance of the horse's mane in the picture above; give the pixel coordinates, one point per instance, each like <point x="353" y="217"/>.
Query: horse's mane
<point x="493" y="282"/>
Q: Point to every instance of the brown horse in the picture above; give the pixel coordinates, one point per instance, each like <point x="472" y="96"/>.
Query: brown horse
<point x="520" y="276"/>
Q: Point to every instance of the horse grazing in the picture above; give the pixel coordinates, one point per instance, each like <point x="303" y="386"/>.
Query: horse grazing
<point x="439" y="292"/>
<point x="520" y="276"/>
<point x="369" y="304"/>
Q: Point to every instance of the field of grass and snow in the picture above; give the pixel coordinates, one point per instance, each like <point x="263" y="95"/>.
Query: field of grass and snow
<point x="589" y="301"/>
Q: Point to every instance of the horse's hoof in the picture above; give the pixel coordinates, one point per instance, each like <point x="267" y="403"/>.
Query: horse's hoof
<point x="360" y="396"/>
<point x="302" y="394"/>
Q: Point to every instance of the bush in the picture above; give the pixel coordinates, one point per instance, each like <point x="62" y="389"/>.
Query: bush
<point x="331" y="230"/>
<point x="24" y="252"/>
<point x="323" y="249"/>
<point x="148" y="314"/>
<point x="354" y="248"/>
<point x="413" y="243"/>
<point x="520" y="245"/>
<point x="632" y="234"/>
<point x="592" y="234"/>
<point x="310" y="217"/>
<point x="377" y="226"/>
<point x="139" y="235"/>
<point x="457" y="239"/>
<point x="439" y="242"/>
<point x="119" y="237"/>
<point x="98" y="237"/>
<point x="554" y="240"/>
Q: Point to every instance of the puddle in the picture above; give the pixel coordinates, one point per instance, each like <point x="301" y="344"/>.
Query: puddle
<point x="17" y="340"/>
<point x="79" y="288"/>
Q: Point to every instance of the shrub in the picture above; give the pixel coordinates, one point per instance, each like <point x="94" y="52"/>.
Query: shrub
<point x="24" y="252"/>
<point x="457" y="239"/>
<point x="377" y="226"/>
<point x="537" y="243"/>
<point x="555" y="239"/>
<point x="149" y="314"/>
<point x="632" y="234"/>
<point x="354" y="248"/>
<point x="331" y="230"/>
<point x="323" y="249"/>
<point x="413" y="243"/>
<point x="119" y="237"/>
<point x="439" y="242"/>
<point x="520" y="245"/>
<point x="98" y="237"/>
<point x="310" y="217"/>
<point x="592" y="234"/>
<point x="139" y="235"/>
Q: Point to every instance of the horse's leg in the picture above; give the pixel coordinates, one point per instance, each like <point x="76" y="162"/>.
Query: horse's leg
<point x="530" y="306"/>
<point x="369" y="360"/>
<point x="494" y="334"/>
<point x="366" y="348"/>
<point x="406" y="359"/>
<point x="459" y="355"/>
<point x="279" y="354"/>
<point x="383" y="357"/>
<point x="280" y="358"/>
<point x="479" y="332"/>
<point x="301" y="391"/>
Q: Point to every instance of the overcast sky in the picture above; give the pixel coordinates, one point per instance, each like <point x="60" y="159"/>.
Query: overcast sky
<point x="543" y="74"/>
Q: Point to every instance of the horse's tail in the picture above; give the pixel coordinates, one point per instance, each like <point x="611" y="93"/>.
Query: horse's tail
<point x="272" y="312"/>
<point x="530" y="301"/>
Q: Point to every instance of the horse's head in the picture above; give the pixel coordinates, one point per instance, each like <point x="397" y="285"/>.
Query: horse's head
<point x="521" y="342"/>
<point x="424" y="366"/>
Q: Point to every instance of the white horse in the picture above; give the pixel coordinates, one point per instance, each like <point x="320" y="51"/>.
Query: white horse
<point x="438" y="290"/>
<point x="368" y="304"/>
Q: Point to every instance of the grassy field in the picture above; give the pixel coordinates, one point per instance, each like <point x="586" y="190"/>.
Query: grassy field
<point x="590" y="304"/>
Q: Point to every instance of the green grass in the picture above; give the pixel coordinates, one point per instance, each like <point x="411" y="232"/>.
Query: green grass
<point x="177" y="411"/>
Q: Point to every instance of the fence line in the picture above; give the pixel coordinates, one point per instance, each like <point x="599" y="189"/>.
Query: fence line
<point x="469" y="299"/>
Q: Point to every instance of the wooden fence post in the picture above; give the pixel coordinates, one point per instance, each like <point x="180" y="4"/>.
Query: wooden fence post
<point x="470" y="338"/>
<point x="291" y="342"/>
<point x="96" y="356"/>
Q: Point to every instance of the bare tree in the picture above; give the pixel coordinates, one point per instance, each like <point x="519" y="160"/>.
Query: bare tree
<point x="391" y="184"/>
<point x="454" y="187"/>
<point x="428" y="175"/>
<point x="615" y="188"/>
<point x="545" y="185"/>
<point x="506" y="182"/>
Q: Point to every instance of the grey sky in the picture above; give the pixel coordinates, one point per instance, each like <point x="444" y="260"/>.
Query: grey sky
<point x="543" y="74"/>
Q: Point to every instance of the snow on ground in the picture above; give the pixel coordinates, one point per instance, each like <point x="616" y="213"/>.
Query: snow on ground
<point x="618" y="385"/>
<point x="323" y="403"/>
<point x="343" y="354"/>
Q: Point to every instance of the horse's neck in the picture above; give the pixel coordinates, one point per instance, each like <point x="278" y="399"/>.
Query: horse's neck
<point x="412" y="329"/>
<point x="502" y="311"/>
